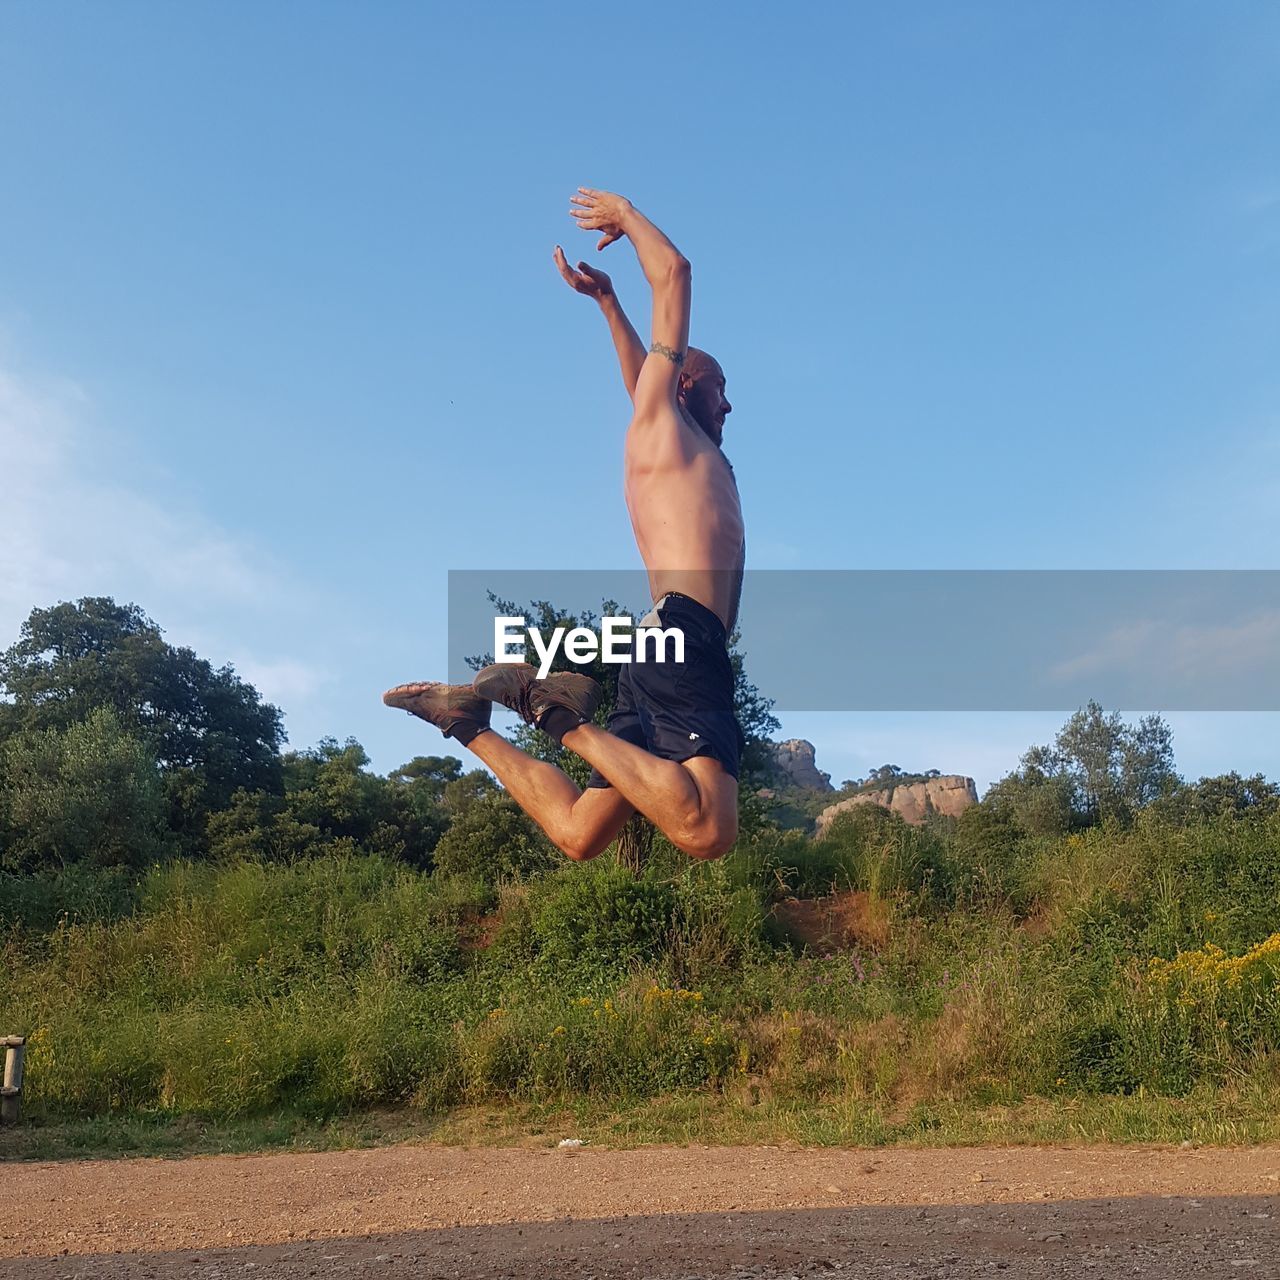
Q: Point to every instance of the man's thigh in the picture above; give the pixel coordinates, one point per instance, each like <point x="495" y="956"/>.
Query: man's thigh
<point x="717" y="787"/>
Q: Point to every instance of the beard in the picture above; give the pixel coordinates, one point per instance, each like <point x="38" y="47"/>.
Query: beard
<point x="707" y="424"/>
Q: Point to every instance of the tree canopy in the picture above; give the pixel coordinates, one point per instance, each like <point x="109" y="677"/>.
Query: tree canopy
<point x="1099" y="768"/>
<point x="209" y="731"/>
<point x="89" y="793"/>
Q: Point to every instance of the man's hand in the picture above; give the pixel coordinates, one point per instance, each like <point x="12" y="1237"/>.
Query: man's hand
<point x="595" y="284"/>
<point x="601" y="211"/>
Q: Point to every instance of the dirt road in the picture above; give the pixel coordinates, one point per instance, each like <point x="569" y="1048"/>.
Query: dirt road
<point x="759" y="1213"/>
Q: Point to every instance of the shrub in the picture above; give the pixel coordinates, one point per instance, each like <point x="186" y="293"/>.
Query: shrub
<point x="984" y="851"/>
<point x="873" y="849"/>
<point x="601" y="918"/>
<point x="77" y="894"/>
<point x="493" y="841"/>
<point x="642" y="1040"/>
<point x="1205" y="1009"/>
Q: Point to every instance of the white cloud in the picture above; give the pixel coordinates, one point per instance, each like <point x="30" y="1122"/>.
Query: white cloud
<point x="1182" y="653"/>
<point x="1262" y="201"/>
<point x="287" y="683"/>
<point x="69" y="529"/>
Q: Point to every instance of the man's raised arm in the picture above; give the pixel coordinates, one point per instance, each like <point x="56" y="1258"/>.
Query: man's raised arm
<point x="593" y="283"/>
<point x="668" y="273"/>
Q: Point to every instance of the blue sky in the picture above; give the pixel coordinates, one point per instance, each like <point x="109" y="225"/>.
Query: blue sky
<point x="995" y="285"/>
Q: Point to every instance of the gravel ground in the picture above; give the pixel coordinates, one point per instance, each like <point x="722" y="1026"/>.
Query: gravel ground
<point x="759" y="1213"/>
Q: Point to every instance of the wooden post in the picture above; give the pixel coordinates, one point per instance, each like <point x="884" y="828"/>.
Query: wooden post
<point x="11" y="1092"/>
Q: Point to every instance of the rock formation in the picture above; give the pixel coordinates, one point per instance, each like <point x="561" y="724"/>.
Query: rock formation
<point x="950" y="794"/>
<point x="794" y="760"/>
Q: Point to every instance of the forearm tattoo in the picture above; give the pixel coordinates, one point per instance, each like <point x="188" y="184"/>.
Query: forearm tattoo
<point x="661" y="349"/>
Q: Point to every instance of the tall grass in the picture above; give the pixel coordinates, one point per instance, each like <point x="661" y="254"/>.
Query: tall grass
<point x="1106" y="962"/>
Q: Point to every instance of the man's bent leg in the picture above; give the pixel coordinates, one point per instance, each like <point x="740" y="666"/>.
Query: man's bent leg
<point x="693" y="803"/>
<point x="581" y="824"/>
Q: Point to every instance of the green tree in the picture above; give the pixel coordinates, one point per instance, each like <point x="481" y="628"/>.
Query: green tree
<point x="886" y="773"/>
<point x="466" y="790"/>
<point x="983" y="854"/>
<point x="332" y="800"/>
<point x="431" y="773"/>
<point x="1099" y="768"/>
<point x="244" y="831"/>
<point x="330" y="787"/>
<point x="209" y="731"/>
<point x="1225" y="795"/>
<point x="90" y="793"/>
<point x="1231" y="793"/>
<point x="1117" y="768"/>
<point x="1040" y="804"/>
<point x="418" y="792"/>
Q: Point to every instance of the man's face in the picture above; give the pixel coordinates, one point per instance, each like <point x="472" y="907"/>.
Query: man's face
<point x="705" y="396"/>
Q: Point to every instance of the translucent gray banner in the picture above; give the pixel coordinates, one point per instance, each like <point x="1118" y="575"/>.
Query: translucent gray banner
<point x="954" y="640"/>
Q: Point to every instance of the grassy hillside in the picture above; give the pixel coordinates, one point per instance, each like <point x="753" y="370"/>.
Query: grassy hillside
<point x="1120" y="983"/>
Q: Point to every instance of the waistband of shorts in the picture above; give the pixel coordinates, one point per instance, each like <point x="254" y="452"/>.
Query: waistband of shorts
<point x="694" y="609"/>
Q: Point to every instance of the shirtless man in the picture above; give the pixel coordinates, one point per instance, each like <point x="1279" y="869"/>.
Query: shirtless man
<point x="672" y="745"/>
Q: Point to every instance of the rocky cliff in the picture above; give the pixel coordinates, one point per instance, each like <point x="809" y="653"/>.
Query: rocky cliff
<point x="950" y="794"/>
<point x="795" y="762"/>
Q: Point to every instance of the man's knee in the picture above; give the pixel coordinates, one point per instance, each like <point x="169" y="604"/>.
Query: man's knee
<point x="582" y="848"/>
<point x="597" y="817"/>
<point x="711" y="839"/>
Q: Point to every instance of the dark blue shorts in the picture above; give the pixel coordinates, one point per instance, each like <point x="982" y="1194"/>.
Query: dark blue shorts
<point x="678" y="710"/>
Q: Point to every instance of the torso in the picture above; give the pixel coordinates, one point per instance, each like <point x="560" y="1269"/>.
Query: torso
<point x="686" y="514"/>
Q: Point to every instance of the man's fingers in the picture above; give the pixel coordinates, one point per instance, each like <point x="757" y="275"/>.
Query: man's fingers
<point x="608" y="238"/>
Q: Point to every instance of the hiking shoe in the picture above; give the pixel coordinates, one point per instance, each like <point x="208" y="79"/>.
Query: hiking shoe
<point x="455" y="709"/>
<point x="516" y="685"/>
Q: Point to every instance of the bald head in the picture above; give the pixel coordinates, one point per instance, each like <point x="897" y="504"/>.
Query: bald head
<point x="702" y="392"/>
<point x="698" y="362"/>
